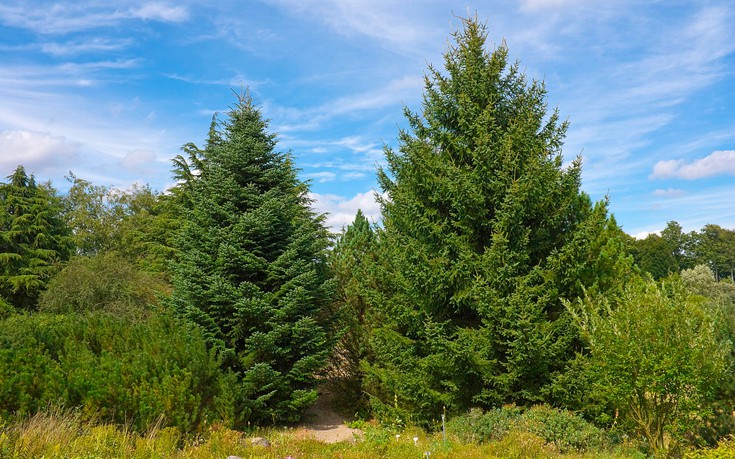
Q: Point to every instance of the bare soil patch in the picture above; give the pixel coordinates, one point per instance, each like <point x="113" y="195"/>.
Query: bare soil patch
<point x="324" y="424"/>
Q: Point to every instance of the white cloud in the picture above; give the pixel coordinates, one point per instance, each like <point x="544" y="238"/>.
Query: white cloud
<point x="395" y="25"/>
<point x="398" y="91"/>
<point x="68" y="17"/>
<point x="160" y="12"/>
<point x="35" y="151"/>
<point x="321" y="177"/>
<point x="542" y="5"/>
<point x="718" y="163"/>
<point x="138" y="160"/>
<point x="88" y="45"/>
<point x="341" y="211"/>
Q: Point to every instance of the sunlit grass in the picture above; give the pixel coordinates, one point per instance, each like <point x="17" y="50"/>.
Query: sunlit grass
<point x="65" y="435"/>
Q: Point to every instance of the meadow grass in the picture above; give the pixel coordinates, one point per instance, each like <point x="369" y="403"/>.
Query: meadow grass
<point x="66" y="435"/>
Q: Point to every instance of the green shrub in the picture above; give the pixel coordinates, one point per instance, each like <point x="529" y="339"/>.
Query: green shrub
<point x="106" y="282"/>
<point x="111" y="369"/>
<point x="482" y="427"/>
<point x="565" y="430"/>
<point x="725" y="450"/>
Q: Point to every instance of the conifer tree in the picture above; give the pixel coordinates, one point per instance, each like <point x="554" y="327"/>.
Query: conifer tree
<point x="485" y="232"/>
<point x="351" y="263"/>
<point x="251" y="268"/>
<point x="33" y="238"/>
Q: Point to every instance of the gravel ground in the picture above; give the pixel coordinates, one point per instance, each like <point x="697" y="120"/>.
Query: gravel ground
<point x="324" y="424"/>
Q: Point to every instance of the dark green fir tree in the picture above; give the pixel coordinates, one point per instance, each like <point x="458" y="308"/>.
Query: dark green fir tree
<point x="33" y="239"/>
<point x="485" y="233"/>
<point x="251" y="268"/>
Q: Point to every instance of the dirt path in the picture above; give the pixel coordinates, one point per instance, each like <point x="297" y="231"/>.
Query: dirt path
<point x="322" y="423"/>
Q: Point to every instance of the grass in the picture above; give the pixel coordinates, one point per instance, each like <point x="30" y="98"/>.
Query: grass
<point x="65" y="435"/>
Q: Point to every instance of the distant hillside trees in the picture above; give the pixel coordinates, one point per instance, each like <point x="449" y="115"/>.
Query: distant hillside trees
<point x="33" y="239"/>
<point x="485" y="232"/>
<point x="251" y="270"/>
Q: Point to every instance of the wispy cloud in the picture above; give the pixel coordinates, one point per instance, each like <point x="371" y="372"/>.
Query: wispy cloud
<point x="88" y="45"/>
<point x="392" y="93"/>
<point x="321" y="177"/>
<point x="394" y="25"/>
<point x="669" y="192"/>
<point x="545" y="5"/>
<point x="68" y="17"/>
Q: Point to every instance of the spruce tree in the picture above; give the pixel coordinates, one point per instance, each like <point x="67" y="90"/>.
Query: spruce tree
<point x="485" y="232"/>
<point x="351" y="263"/>
<point x="251" y="268"/>
<point x="33" y="238"/>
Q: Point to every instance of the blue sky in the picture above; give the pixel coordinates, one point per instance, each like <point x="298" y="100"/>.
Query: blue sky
<point x="111" y="89"/>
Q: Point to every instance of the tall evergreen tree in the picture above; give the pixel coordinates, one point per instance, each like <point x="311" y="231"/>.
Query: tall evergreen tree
<point x="485" y="231"/>
<point x="251" y="269"/>
<point x="351" y="262"/>
<point x="33" y="238"/>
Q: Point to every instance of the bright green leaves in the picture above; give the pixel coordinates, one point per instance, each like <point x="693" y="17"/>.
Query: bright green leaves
<point x="656" y="354"/>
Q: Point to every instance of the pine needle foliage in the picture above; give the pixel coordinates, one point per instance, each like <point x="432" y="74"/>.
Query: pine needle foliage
<point x="33" y="238"/>
<point x="485" y="232"/>
<point x="251" y="270"/>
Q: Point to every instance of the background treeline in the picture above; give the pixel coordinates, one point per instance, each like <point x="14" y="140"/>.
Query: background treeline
<point x="673" y="251"/>
<point x="492" y="284"/>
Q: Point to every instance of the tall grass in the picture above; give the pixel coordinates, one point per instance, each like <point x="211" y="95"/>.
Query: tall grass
<point x="67" y="435"/>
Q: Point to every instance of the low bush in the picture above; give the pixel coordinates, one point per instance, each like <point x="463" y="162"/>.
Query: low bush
<point x="561" y="429"/>
<point x="565" y="430"/>
<point x="481" y="427"/>
<point x="136" y="374"/>
<point x="724" y="450"/>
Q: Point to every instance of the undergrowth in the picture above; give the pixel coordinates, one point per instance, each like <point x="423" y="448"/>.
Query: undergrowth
<point x="66" y="435"/>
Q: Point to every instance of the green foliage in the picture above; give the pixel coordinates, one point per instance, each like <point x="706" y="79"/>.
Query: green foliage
<point x="139" y="224"/>
<point x="485" y="232"/>
<point x="563" y="429"/>
<point x="715" y="247"/>
<point x="111" y="369"/>
<point x="481" y="427"/>
<point x="657" y="356"/>
<point x="350" y="262"/>
<point x="105" y="282"/>
<point x="33" y="239"/>
<point x="724" y="450"/>
<point x="88" y="211"/>
<point x="655" y="256"/>
<point x="5" y="309"/>
<point x="252" y="267"/>
<point x="566" y="430"/>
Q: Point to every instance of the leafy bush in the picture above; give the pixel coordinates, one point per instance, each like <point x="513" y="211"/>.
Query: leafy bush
<point x="111" y="369"/>
<point x="563" y="429"/>
<point x="106" y="282"/>
<point x="481" y="427"/>
<point x="658" y="356"/>
<point x="724" y="450"/>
